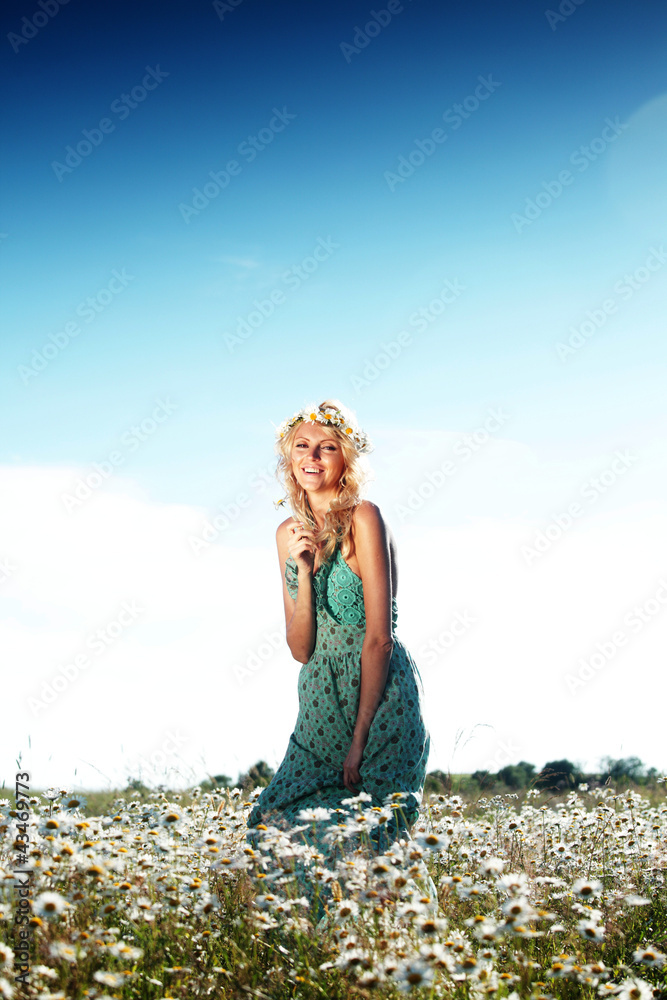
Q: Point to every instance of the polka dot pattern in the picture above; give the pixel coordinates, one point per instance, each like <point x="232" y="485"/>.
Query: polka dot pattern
<point x="396" y="753"/>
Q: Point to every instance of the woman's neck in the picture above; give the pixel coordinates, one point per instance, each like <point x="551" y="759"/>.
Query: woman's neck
<point x="319" y="511"/>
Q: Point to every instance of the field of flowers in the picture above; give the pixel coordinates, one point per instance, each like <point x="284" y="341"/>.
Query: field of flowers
<point x="504" y="897"/>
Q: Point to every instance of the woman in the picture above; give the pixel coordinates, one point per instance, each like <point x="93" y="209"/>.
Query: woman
<point x="359" y="726"/>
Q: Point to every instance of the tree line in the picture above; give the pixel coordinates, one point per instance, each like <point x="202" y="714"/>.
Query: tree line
<point x="556" y="775"/>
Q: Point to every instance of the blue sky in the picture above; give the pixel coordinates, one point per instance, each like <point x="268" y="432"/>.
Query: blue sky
<point x="543" y="204"/>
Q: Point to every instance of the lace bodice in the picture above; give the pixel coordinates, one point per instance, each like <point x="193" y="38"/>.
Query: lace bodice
<point x="338" y="591"/>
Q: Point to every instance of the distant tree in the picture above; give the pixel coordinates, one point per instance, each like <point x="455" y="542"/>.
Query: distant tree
<point x="517" y="775"/>
<point x="259" y="774"/>
<point x="483" y="778"/>
<point x="135" y="785"/>
<point x="559" y="774"/>
<point x="216" y="781"/>
<point x="630" y="768"/>
<point x="437" y="783"/>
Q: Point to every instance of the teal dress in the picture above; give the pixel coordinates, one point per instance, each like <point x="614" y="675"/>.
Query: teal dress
<point x="396" y="753"/>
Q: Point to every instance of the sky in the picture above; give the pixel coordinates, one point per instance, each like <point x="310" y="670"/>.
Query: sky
<point x="450" y="216"/>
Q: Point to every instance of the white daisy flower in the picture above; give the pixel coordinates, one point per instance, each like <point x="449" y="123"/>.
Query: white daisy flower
<point x="360" y="797"/>
<point x="74" y="802"/>
<point x="346" y="910"/>
<point x="49" y="904"/>
<point x="650" y="957"/>
<point x="587" y="888"/>
<point x="487" y="930"/>
<point x="635" y="989"/>
<point x="413" y="975"/>
<point x="428" y="925"/>
<point x="122" y="950"/>
<point x="513" y="882"/>
<point x="172" y="817"/>
<point x="113" y="979"/>
<point x="59" y="949"/>
<point x="316" y="815"/>
<point x="632" y="899"/>
<point x="518" y="908"/>
<point x="491" y="866"/>
<point x="45" y="972"/>
<point x="432" y="841"/>
<point x="590" y="930"/>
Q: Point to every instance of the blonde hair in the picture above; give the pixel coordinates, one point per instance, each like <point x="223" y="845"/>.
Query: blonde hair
<point x="338" y="519"/>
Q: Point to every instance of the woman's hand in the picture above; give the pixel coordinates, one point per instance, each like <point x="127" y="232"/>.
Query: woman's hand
<point x="351" y="776"/>
<point x="301" y="546"/>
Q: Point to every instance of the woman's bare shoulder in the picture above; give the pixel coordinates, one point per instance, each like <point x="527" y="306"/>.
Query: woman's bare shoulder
<point x="368" y="516"/>
<point x="367" y="513"/>
<point x="281" y="530"/>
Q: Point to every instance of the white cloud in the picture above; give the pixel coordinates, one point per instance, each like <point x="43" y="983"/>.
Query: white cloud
<point x="245" y="262"/>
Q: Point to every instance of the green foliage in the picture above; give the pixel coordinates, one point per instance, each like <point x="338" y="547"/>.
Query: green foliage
<point x="136" y="785"/>
<point x="437" y="783"/>
<point x="216" y="781"/>
<point x="519" y="775"/>
<point x="559" y="774"/>
<point x="483" y="778"/>
<point x="259" y="774"/>
<point x="629" y="768"/>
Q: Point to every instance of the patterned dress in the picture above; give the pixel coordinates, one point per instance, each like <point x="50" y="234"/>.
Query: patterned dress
<point x="396" y="753"/>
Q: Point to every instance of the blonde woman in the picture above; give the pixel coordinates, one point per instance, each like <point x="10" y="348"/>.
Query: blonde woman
<point x="359" y="726"/>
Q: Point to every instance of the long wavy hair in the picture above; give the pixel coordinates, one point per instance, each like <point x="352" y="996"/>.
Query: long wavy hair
<point x="338" y="519"/>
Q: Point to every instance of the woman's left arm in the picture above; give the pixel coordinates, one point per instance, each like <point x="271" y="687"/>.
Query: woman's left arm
<point x="372" y="552"/>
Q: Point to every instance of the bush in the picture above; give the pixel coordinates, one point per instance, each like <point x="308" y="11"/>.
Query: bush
<point x="630" y="768"/>
<point x="519" y="775"/>
<point x="559" y="774"/>
<point x="437" y="783"/>
<point x="216" y="781"/>
<point x="483" y="778"/>
<point x="259" y="774"/>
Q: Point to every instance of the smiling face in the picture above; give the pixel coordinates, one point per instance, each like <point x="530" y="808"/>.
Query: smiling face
<point x="317" y="458"/>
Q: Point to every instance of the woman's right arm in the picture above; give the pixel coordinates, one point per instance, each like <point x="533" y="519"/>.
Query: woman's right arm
<point x="300" y="621"/>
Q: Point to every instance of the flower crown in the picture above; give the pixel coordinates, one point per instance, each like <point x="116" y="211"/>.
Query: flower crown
<point x="328" y="415"/>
